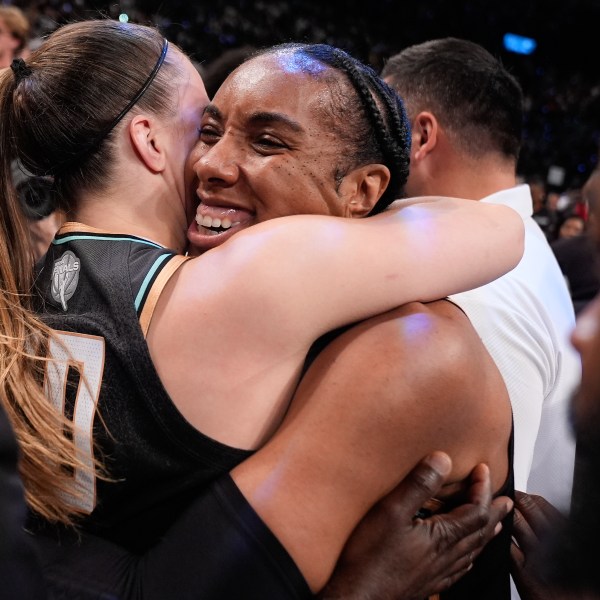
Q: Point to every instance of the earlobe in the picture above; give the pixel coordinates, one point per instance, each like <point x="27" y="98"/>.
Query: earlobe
<point x="144" y="139"/>
<point x="363" y="187"/>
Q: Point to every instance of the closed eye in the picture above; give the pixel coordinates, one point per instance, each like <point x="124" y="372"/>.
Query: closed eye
<point x="268" y="141"/>
<point x="208" y="134"/>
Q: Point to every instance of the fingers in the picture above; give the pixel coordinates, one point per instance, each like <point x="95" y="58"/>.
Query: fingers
<point x="538" y="512"/>
<point x="480" y="488"/>
<point x="422" y="483"/>
<point x="482" y="515"/>
<point x="523" y="533"/>
<point x="467" y="529"/>
<point x="499" y="509"/>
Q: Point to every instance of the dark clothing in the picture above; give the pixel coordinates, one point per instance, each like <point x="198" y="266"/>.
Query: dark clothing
<point x="104" y="287"/>
<point x="219" y="549"/>
<point x="490" y="576"/>
<point x="579" y="262"/>
<point x="20" y="570"/>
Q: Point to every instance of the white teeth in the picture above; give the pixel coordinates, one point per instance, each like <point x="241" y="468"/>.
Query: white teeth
<point x="208" y="223"/>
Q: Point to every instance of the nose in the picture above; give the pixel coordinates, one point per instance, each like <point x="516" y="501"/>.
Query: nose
<point x="216" y="164"/>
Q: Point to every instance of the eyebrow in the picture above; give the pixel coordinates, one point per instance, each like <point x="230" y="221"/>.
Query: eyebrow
<point x="212" y="111"/>
<point x="274" y="117"/>
<point x="259" y="117"/>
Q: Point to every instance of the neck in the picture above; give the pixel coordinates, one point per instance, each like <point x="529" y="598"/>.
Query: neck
<point x="474" y="179"/>
<point x="151" y="216"/>
<point x="477" y="185"/>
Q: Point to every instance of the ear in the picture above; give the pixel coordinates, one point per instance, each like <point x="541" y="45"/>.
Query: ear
<point x="145" y="139"/>
<point x="425" y="129"/>
<point x="362" y="187"/>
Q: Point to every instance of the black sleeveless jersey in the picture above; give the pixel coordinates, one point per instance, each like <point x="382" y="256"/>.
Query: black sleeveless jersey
<point x="98" y="290"/>
<point x="489" y="578"/>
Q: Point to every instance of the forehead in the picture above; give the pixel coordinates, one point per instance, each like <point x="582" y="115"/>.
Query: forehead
<point x="285" y="84"/>
<point x="188" y="82"/>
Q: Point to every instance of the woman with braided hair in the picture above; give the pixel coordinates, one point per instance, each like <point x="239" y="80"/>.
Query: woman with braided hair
<point x="175" y="370"/>
<point x="288" y="132"/>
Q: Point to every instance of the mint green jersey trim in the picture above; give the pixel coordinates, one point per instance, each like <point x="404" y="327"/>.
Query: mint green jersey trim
<point x="72" y="238"/>
<point x="149" y="276"/>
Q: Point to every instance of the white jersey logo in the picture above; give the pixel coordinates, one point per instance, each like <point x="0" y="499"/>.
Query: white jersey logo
<point x="65" y="277"/>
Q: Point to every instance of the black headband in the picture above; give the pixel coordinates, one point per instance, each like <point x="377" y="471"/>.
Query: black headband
<point x="135" y="99"/>
<point x="89" y="148"/>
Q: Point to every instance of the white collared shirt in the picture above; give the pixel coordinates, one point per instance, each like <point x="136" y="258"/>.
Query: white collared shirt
<point x="525" y="319"/>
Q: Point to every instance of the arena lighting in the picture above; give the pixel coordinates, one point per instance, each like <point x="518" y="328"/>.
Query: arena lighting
<point x="124" y="17"/>
<point x="519" y="44"/>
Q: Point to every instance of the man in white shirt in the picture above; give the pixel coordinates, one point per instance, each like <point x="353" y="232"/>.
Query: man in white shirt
<point x="466" y="116"/>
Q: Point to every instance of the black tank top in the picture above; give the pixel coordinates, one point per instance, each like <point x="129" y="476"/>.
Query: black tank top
<point x="99" y="290"/>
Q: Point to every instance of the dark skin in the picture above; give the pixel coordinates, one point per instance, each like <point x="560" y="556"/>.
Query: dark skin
<point x="391" y="402"/>
<point x="381" y="396"/>
<point x="534" y="520"/>
<point x="374" y="563"/>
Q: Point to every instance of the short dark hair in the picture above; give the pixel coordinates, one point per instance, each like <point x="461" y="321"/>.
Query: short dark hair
<point x="370" y="121"/>
<point x="468" y="90"/>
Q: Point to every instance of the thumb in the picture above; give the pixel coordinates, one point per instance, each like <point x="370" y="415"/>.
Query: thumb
<point x="421" y="484"/>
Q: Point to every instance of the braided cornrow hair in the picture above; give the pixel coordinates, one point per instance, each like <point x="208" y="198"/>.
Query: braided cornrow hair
<point x="384" y="135"/>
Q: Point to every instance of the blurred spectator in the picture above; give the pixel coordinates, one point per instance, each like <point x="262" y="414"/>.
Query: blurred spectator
<point x="14" y="33"/>
<point x="543" y="215"/>
<point x="571" y="226"/>
<point x="577" y="255"/>
<point x="562" y="105"/>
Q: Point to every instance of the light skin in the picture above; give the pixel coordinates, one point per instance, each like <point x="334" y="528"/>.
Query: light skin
<point x="257" y="304"/>
<point x="436" y="167"/>
<point x="572" y="227"/>
<point x="247" y="351"/>
<point x="254" y="169"/>
<point x="8" y="45"/>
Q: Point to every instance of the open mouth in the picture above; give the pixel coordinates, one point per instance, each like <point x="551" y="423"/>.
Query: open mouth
<point x="214" y="226"/>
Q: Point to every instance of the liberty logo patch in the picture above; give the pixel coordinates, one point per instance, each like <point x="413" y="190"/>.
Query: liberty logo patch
<point x="65" y="277"/>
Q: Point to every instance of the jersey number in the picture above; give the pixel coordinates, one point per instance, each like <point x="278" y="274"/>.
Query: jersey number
<point x="84" y="353"/>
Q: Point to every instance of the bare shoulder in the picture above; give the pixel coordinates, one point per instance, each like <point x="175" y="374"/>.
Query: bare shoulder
<point x="428" y="363"/>
<point x="433" y="336"/>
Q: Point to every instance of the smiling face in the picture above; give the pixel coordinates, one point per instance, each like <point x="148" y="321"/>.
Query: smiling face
<point x="267" y="149"/>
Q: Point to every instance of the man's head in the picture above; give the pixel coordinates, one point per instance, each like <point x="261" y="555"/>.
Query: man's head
<point x="298" y="129"/>
<point x="459" y="96"/>
<point x="14" y="33"/>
